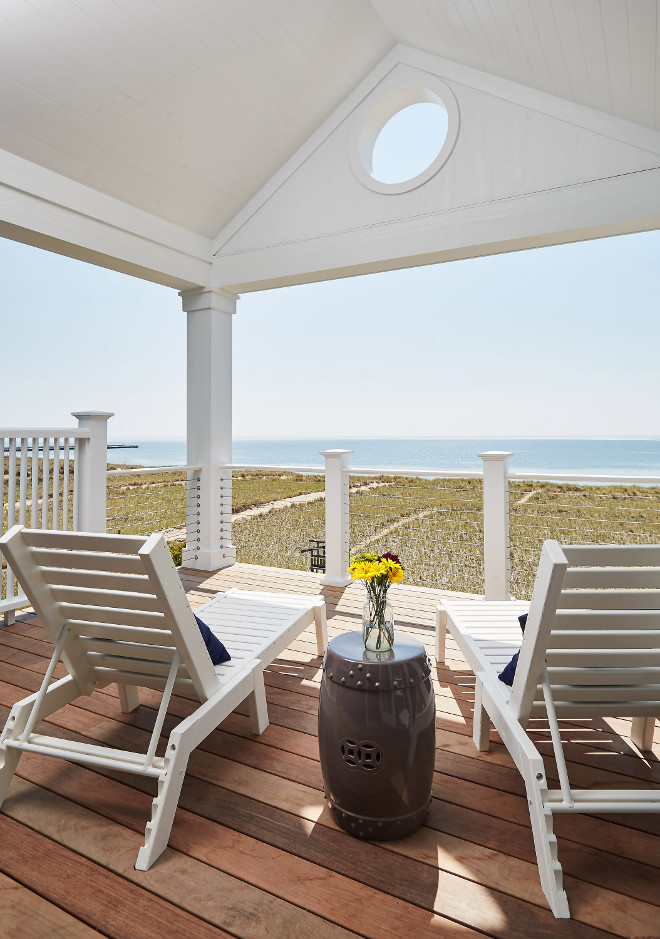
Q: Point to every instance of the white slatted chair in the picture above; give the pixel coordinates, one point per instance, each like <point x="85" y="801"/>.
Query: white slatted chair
<point x="116" y="611"/>
<point x="591" y="649"/>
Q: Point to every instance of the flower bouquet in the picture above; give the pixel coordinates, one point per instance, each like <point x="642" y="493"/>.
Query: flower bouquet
<point x="377" y="571"/>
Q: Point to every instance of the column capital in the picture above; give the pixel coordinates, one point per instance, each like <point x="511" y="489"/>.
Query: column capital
<point x="93" y="415"/>
<point x="335" y="454"/>
<point x="496" y="455"/>
<point x="208" y="298"/>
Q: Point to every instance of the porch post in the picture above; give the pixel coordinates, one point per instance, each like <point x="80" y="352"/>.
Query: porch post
<point x="336" y="518"/>
<point x="497" y="564"/>
<point x="209" y="387"/>
<point x="90" y="509"/>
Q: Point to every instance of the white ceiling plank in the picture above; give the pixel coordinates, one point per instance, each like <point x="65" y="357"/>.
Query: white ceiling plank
<point x="617" y="49"/>
<point x="546" y="26"/>
<point x="571" y="40"/>
<point x="643" y="19"/>
<point x="482" y="37"/>
<point x="451" y="11"/>
<point x="491" y="25"/>
<point x="590" y="22"/>
<point x="534" y="48"/>
<point x="519" y="55"/>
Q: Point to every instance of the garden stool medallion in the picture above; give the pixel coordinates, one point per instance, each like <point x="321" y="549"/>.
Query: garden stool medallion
<point x="377" y="736"/>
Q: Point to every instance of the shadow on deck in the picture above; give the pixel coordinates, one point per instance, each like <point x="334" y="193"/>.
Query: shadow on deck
<point x="254" y="850"/>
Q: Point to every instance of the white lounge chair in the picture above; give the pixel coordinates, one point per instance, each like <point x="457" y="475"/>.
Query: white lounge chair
<point x="116" y="611"/>
<point x="591" y="649"/>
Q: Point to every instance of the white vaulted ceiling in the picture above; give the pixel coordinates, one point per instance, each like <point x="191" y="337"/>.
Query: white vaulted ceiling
<point x="604" y="54"/>
<point x="184" y="109"/>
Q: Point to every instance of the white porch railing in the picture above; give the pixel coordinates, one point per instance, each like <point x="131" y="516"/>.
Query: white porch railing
<point x="482" y="529"/>
<point x="52" y="478"/>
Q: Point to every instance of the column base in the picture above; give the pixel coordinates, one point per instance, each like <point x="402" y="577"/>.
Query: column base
<point x="214" y="560"/>
<point x="336" y="581"/>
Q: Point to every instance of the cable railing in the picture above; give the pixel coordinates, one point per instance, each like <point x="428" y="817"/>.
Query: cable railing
<point x="163" y="499"/>
<point x="620" y="512"/>
<point x="435" y="525"/>
<point x="275" y="512"/>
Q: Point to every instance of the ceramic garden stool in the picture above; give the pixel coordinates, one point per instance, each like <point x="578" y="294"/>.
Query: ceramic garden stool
<point x="377" y="736"/>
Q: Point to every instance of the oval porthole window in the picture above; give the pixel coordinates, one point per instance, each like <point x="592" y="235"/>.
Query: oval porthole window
<point x="403" y="133"/>
<point x="409" y="142"/>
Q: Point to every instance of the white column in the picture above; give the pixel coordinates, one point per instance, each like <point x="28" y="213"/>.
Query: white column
<point x="209" y="387"/>
<point x="92" y="470"/>
<point x="497" y="565"/>
<point x="336" y="518"/>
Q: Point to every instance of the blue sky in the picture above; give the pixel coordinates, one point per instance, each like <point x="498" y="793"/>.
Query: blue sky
<point x="551" y="342"/>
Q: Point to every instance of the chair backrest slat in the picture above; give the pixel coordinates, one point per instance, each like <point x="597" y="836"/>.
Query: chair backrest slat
<point x="132" y="650"/>
<point x="83" y="541"/>
<point x="119" y="599"/>
<point x="613" y="555"/>
<point x="612" y="577"/>
<point x="607" y="619"/>
<point x="570" y="675"/>
<point x="96" y="580"/>
<point x="124" y="603"/>
<point x="145" y="666"/>
<point x="79" y="612"/>
<point x="120" y="633"/>
<point x="609" y="600"/>
<point x="87" y="561"/>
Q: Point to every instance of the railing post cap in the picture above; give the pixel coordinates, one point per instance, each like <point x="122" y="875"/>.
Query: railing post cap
<point x="495" y="455"/>
<point x="94" y="415"/>
<point x="332" y="453"/>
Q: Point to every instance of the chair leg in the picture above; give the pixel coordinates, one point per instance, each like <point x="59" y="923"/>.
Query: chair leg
<point x="9" y="758"/>
<point x="481" y="720"/>
<point x="258" y="709"/>
<point x="163" y="809"/>
<point x="642" y="732"/>
<point x="129" y="698"/>
<point x="321" y="628"/>
<point x="545" y="842"/>
<point x="440" y="634"/>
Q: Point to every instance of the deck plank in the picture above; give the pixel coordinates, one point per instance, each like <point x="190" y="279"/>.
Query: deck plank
<point x="252" y="826"/>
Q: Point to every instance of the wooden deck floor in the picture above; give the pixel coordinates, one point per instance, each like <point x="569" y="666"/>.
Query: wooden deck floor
<point x="254" y="852"/>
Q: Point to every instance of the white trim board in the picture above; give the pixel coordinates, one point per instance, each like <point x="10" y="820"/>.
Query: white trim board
<point x="47" y="210"/>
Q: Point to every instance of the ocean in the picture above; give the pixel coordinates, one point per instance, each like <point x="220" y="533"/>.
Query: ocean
<point x="639" y="457"/>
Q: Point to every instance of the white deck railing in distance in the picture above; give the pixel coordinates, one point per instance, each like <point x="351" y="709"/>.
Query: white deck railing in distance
<point x="36" y="491"/>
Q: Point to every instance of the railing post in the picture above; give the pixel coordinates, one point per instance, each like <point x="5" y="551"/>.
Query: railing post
<point x="497" y="564"/>
<point x="336" y="518"/>
<point x="92" y="469"/>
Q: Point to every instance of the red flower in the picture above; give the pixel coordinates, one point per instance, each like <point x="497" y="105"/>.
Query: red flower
<point x="392" y="557"/>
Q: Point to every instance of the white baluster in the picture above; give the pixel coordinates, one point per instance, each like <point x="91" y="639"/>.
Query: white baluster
<point x="34" y="483"/>
<point x="45" y="481"/>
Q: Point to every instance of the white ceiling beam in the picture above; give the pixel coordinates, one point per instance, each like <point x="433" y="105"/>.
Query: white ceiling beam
<point x="595" y="209"/>
<point x="44" y="209"/>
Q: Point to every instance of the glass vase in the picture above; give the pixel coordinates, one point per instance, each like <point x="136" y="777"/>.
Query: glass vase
<point x="377" y="624"/>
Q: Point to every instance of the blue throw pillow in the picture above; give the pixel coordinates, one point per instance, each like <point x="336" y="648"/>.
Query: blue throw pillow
<point x="215" y="648"/>
<point x="508" y="673"/>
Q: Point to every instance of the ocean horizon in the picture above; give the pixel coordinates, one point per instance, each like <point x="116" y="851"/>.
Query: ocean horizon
<point x="635" y="456"/>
